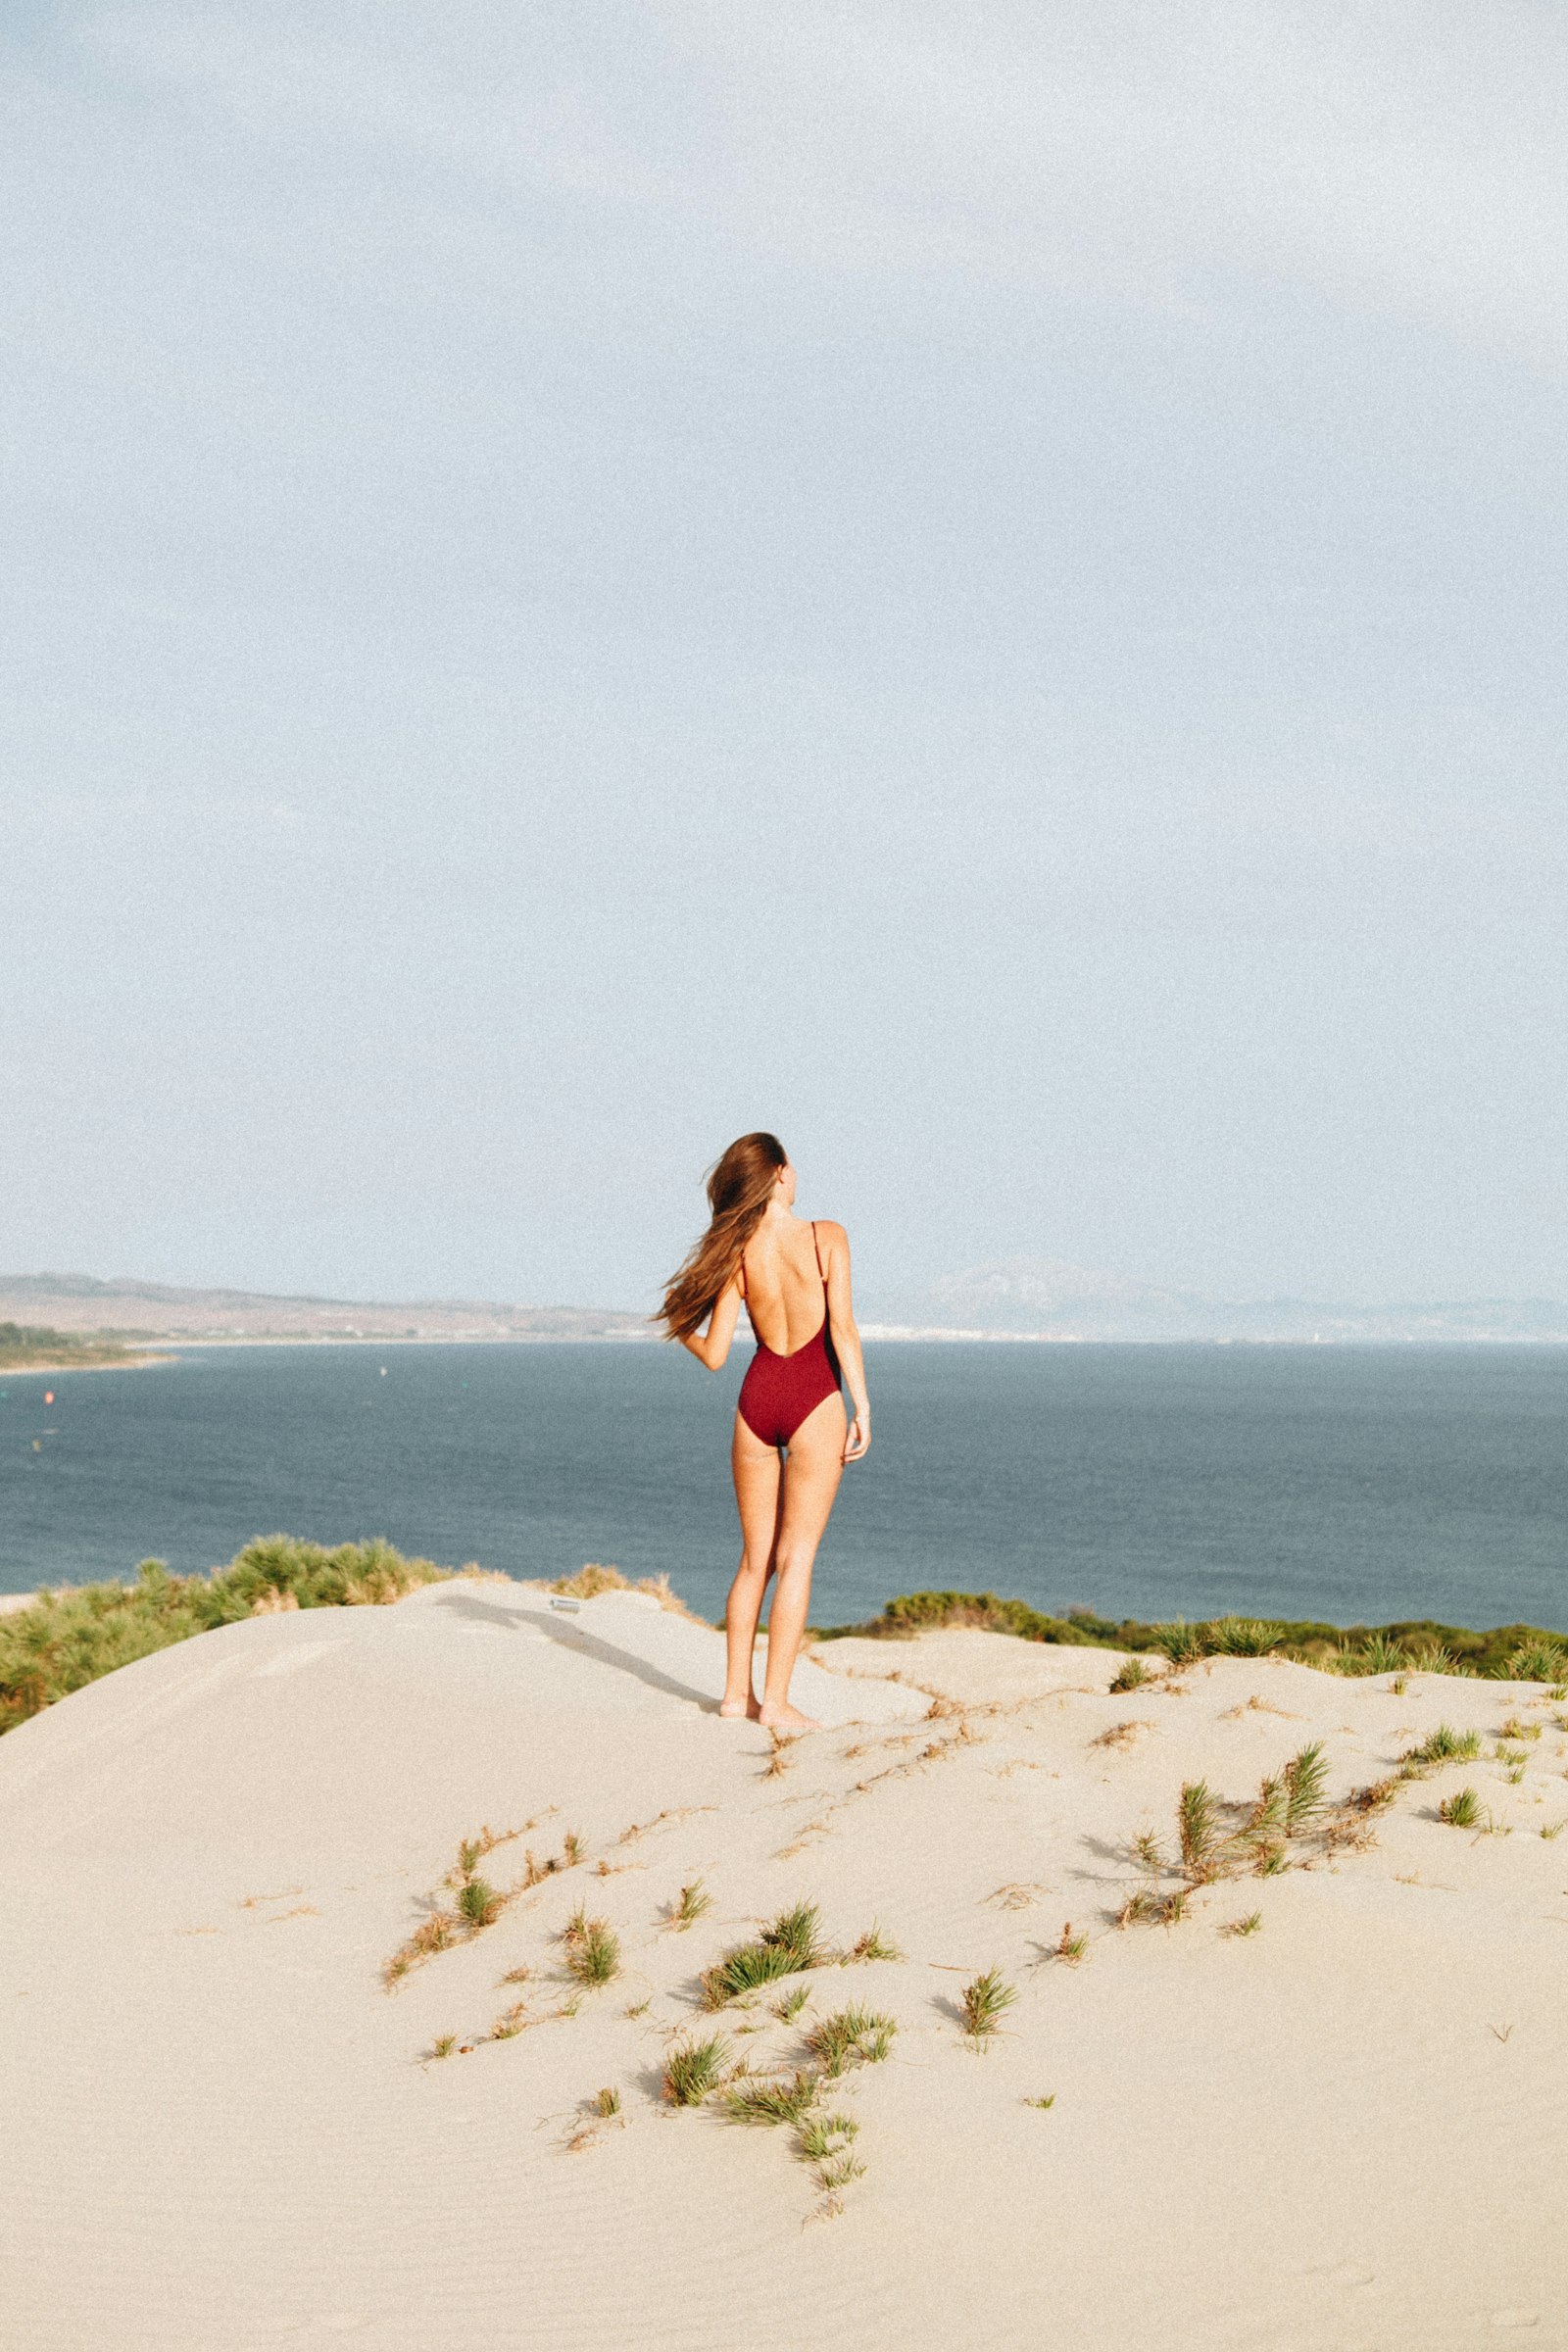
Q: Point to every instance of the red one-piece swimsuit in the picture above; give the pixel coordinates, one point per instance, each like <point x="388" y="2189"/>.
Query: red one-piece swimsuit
<point x="779" y="1390"/>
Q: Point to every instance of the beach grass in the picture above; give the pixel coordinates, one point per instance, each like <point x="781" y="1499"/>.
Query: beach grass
<point x="693" y="2071"/>
<point x="64" y="1641"/>
<point x="983" y="2004"/>
<point x="790" y="1945"/>
<point x="1422" y="1645"/>
<point x="853" y="2037"/>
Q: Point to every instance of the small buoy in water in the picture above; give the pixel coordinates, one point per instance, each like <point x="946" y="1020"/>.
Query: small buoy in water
<point x="384" y="1371"/>
<point x="37" y="1444"/>
<point x="48" y="1396"/>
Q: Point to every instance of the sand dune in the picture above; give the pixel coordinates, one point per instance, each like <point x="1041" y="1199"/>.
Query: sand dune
<point x="1344" y="2130"/>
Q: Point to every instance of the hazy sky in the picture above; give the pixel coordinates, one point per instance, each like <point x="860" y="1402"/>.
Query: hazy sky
<point x="984" y="588"/>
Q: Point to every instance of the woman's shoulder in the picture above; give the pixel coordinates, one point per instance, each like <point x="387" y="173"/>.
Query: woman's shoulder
<point x="829" y="1230"/>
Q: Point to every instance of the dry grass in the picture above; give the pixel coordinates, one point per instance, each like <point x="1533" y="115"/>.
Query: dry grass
<point x="1122" y="1735"/>
<point x="1249" y="1926"/>
<point x="871" y="1945"/>
<point x="1070" y="1947"/>
<point x="780" y="1760"/>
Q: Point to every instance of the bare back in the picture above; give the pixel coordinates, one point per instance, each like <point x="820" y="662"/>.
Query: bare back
<point x="783" y="1281"/>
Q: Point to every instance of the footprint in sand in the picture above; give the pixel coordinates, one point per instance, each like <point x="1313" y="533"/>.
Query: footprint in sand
<point x="1516" y="2316"/>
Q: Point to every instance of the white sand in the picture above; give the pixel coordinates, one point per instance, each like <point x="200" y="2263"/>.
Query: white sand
<point x="1345" y="2131"/>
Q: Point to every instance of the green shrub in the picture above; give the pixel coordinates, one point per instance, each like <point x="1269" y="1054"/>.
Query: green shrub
<point x="64" y="1641"/>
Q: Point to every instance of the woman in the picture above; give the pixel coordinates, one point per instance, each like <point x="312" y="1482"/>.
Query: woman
<point x="792" y="1438"/>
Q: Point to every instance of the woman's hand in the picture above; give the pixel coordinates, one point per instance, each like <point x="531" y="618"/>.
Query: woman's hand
<point x="859" y="1438"/>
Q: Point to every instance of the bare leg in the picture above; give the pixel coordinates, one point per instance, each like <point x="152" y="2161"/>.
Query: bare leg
<point x="811" y="1473"/>
<point x="757" y="1472"/>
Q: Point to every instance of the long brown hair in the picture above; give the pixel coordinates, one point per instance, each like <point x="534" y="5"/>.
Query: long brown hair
<point x="740" y="1185"/>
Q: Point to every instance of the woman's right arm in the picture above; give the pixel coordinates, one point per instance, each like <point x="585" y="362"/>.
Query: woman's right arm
<point x="712" y="1346"/>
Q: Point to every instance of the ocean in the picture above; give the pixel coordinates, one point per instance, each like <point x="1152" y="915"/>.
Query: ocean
<point x="1353" y="1484"/>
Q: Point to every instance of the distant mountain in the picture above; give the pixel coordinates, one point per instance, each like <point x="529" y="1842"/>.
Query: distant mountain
<point x="127" y="1309"/>
<point x="1037" y="1297"/>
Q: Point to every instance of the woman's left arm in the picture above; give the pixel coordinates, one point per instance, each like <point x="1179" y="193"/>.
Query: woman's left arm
<point x="846" y="1337"/>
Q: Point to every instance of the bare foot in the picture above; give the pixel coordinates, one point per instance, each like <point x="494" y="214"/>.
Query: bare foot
<point x="734" y="1708"/>
<point x="787" y="1719"/>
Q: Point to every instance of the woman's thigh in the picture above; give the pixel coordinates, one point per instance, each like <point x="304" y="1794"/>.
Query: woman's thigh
<point x="813" y="1469"/>
<point x="756" y="1469"/>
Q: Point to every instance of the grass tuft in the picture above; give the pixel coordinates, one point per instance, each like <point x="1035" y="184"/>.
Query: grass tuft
<point x="1304" y="1780"/>
<point x="478" y="1904"/>
<point x="872" y="1946"/>
<point x="593" y="1949"/>
<point x="1197" y="1831"/>
<point x="1461" y="1811"/>
<point x="984" y="2002"/>
<point x="443" y="2045"/>
<point x="1131" y="1675"/>
<point x="794" y="2001"/>
<point x="690" y="1904"/>
<point x="1537" y="1661"/>
<point x="853" y="2037"/>
<point x="783" y="2100"/>
<point x="692" y="2071"/>
<point x="790" y="1945"/>
<point x="1070" y="1947"/>
<point x="1248" y="1926"/>
<point x="1445" y="1745"/>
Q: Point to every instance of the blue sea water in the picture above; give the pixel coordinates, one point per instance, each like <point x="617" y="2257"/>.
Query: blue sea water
<point x="1360" y="1485"/>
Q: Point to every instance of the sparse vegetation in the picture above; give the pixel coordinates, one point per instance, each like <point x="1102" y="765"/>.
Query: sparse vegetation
<point x="593" y="1949"/>
<point x="778" y="2099"/>
<point x="787" y="1948"/>
<point x="1513" y="1729"/>
<point x="1131" y="1675"/>
<point x="1070" y="1947"/>
<point x="606" y="2104"/>
<point x="983" y="2004"/>
<point x="1048" y="2099"/>
<point x="1461" y="1811"/>
<point x="690" y="1904"/>
<point x="1197" y="1831"/>
<point x="852" y="2037"/>
<point x="824" y="2138"/>
<point x="1305" y="1780"/>
<point x="789" y="2008"/>
<point x="1446" y="1745"/>
<point x="478" y="1904"/>
<point x="692" y="2070"/>
<point x="1249" y="1926"/>
<point x="872" y="1946"/>
<point x="443" y="2045"/>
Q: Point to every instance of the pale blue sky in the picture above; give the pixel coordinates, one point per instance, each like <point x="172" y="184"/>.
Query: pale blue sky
<point x="984" y="588"/>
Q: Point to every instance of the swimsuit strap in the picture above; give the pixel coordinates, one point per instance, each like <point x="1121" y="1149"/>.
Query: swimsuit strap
<point x="816" y="1254"/>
